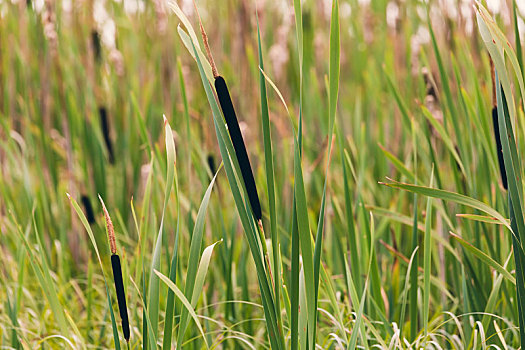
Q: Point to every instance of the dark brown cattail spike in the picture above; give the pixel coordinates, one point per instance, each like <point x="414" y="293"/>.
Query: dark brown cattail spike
<point x="90" y="216"/>
<point x="211" y="164"/>
<point x="238" y="144"/>
<point x="104" y="123"/>
<point x="495" y="124"/>
<point x="117" y="273"/>
<point x="233" y="127"/>
<point x="97" y="49"/>
<point x="499" y="147"/>
<point x="121" y="295"/>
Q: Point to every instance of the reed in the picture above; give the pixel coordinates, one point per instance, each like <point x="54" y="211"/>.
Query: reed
<point x="234" y="130"/>
<point x="117" y="273"/>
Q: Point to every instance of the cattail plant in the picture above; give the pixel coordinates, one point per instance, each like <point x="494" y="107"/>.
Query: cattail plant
<point x="117" y="273"/>
<point x="230" y="116"/>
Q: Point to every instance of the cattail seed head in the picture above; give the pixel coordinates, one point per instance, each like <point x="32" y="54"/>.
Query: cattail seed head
<point x="90" y="216"/>
<point x="121" y="295"/>
<point x="117" y="273"/>
<point x="225" y="101"/>
<point x="97" y="48"/>
<point x="104" y="124"/>
<point x="211" y="163"/>
<point x="228" y="111"/>
<point x="495" y="125"/>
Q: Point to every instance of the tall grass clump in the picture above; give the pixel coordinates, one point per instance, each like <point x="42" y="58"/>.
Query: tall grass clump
<point x="327" y="175"/>
<point x="498" y="47"/>
<point x="233" y="150"/>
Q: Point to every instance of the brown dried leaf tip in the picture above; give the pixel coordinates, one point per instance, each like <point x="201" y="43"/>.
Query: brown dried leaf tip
<point x="109" y="227"/>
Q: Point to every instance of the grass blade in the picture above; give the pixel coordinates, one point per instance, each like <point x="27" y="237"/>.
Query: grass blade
<point x="195" y="252"/>
<point x="184" y="301"/>
<point x="153" y="287"/>
<point x="427" y="251"/>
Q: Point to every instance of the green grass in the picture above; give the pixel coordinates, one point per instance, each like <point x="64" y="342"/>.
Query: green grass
<point x="385" y="223"/>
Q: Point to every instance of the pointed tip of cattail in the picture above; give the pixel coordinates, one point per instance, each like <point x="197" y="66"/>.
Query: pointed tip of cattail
<point x="110" y="228"/>
<point x="68" y="195"/>
<point x="165" y="119"/>
<point x="206" y="44"/>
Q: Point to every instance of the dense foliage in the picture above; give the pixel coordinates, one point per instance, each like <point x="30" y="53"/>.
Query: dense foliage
<point x="379" y="133"/>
